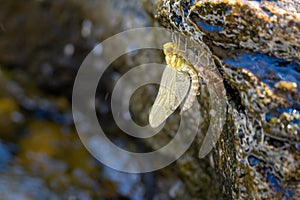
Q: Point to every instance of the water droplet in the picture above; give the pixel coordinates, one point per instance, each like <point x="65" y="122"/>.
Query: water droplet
<point x="86" y="28"/>
<point x="69" y="49"/>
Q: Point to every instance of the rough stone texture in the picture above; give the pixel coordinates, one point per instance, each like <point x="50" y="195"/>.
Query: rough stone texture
<point x="266" y="27"/>
<point x="258" y="154"/>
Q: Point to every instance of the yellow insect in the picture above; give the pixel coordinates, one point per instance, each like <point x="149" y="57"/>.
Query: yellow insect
<point x="176" y="60"/>
<point x="179" y="80"/>
<point x="180" y="83"/>
<point x="174" y="85"/>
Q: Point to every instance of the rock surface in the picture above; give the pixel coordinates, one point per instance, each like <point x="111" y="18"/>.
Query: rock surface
<point x="258" y="154"/>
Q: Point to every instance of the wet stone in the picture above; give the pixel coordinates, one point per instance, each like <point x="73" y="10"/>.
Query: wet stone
<point x="257" y="155"/>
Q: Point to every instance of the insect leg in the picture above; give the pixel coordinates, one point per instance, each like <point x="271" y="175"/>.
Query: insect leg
<point x="219" y="88"/>
<point x="211" y="77"/>
<point x="185" y="45"/>
<point x="200" y="69"/>
<point x="174" y="38"/>
<point x="178" y="43"/>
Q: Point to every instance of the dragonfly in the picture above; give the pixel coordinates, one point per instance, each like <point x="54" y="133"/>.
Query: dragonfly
<point x="181" y="81"/>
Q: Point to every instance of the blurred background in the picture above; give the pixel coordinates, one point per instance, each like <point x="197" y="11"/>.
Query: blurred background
<point x="42" y="45"/>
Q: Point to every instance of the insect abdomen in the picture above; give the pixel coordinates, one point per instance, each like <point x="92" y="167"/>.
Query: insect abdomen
<point x="193" y="90"/>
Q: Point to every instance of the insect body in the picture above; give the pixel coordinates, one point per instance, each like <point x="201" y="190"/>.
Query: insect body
<point x="180" y="79"/>
<point x="180" y="82"/>
<point x="176" y="61"/>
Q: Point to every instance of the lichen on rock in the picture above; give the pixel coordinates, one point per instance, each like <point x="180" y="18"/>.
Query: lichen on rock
<point x="258" y="43"/>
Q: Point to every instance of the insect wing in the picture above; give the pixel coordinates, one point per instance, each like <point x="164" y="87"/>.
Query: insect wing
<point x="172" y="91"/>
